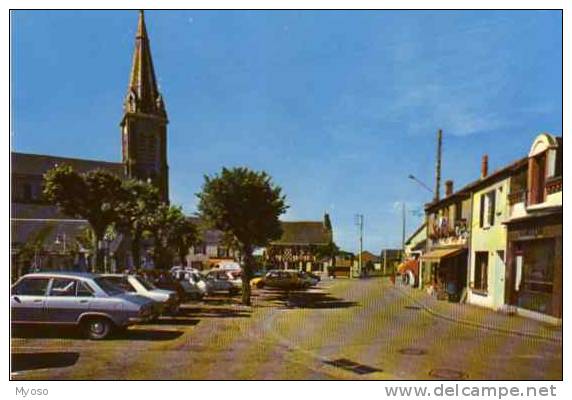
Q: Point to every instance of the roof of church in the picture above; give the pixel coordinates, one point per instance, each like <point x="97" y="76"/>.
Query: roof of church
<point x="304" y="233"/>
<point x="142" y="80"/>
<point x="38" y="164"/>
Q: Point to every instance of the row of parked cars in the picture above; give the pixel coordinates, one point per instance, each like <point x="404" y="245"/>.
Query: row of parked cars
<point x="102" y="303"/>
<point x="97" y="304"/>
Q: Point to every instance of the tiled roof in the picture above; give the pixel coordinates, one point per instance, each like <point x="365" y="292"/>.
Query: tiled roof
<point x="368" y="256"/>
<point x="38" y="164"/>
<point x="36" y="211"/>
<point x="466" y="190"/>
<point x="23" y="230"/>
<point x="304" y="233"/>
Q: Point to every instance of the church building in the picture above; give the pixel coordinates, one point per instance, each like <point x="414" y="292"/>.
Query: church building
<point x="41" y="237"/>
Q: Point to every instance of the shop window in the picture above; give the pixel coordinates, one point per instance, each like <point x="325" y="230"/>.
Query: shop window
<point x="535" y="287"/>
<point x="481" y="270"/>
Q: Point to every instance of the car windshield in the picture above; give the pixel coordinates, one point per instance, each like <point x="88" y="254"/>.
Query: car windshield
<point x="108" y="287"/>
<point x="146" y="284"/>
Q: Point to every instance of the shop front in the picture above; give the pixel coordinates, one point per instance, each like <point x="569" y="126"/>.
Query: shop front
<point x="444" y="272"/>
<point x="534" y="276"/>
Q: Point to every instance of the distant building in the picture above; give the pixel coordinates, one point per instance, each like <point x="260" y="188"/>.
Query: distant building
<point x="390" y="260"/>
<point x="303" y="245"/>
<point x="416" y="243"/>
<point x="369" y="261"/>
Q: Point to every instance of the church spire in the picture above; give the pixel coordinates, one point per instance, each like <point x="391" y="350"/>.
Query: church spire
<point x="144" y="122"/>
<point x="143" y="94"/>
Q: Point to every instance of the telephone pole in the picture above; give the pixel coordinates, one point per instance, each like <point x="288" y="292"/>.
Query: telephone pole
<point x="438" y="165"/>
<point x="359" y="223"/>
<point x="403" y="232"/>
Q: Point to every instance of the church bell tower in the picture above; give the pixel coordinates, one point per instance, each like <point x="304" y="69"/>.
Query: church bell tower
<point x="144" y="123"/>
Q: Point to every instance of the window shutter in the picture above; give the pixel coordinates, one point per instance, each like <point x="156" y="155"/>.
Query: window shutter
<point x="482" y="213"/>
<point x="492" y="207"/>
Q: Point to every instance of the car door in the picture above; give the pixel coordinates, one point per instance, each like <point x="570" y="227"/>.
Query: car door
<point x="28" y="300"/>
<point x="63" y="304"/>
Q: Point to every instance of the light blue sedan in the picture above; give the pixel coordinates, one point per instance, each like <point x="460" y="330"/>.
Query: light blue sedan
<point x="78" y="299"/>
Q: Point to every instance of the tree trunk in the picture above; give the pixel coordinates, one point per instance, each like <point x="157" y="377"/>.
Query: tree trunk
<point x="183" y="256"/>
<point x="97" y="250"/>
<point x="136" y="250"/>
<point x="246" y="275"/>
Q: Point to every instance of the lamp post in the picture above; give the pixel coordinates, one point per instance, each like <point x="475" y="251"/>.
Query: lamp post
<point x="423" y="185"/>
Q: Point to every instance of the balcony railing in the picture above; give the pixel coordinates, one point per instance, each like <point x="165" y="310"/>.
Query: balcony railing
<point x="554" y="185"/>
<point x="517" y="197"/>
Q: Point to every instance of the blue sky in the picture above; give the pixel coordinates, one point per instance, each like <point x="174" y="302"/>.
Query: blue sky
<point x="338" y="106"/>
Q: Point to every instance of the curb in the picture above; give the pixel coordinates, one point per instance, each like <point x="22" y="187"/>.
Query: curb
<point x="476" y="324"/>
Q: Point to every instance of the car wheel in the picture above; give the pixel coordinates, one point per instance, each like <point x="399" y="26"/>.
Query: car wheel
<point x="97" y="328"/>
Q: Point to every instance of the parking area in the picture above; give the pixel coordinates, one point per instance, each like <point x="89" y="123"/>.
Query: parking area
<point x="342" y="329"/>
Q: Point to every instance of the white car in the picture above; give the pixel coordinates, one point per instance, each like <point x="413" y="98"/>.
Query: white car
<point x="192" y="282"/>
<point x="168" y="300"/>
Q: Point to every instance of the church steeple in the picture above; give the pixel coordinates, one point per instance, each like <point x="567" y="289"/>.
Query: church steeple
<point x="144" y="123"/>
<point x="143" y="94"/>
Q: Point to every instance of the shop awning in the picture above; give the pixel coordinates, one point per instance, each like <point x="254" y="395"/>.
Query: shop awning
<point x="408" y="265"/>
<point x="438" y="254"/>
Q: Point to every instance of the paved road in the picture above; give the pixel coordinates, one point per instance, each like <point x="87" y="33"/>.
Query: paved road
<point x="358" y="329"/>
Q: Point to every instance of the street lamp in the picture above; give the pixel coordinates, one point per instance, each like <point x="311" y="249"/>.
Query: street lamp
<point x="413" y="178"/>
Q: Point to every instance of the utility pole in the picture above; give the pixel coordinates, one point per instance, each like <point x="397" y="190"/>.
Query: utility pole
<point x="359" y="222"/>
<point x="438" y="165"/>
<point x="403" y="232"/>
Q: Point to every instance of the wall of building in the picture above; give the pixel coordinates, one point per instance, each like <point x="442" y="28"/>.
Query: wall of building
<point x="490" y="239"/>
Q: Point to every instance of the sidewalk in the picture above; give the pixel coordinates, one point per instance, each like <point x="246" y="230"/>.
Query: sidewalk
<point x="483" y="318"/>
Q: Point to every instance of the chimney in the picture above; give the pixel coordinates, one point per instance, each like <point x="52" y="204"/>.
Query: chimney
<point x="485" y="166"/>
<point x="448" y="187"/>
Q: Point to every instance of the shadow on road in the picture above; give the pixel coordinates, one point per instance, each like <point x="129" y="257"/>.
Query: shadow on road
<point x="146" y="335"/>
<point x="307" y="299"/>
<point x="30" y="361"/>
<point x="59" y="333"/>
<point x="175" y="320"/>
<point x="209" y="312"/>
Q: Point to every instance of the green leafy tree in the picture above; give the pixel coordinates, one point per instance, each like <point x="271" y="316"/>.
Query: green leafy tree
<point x="161" y="225"/>
<point x="93" y="196"/>
<point x="182" y="235"/>
<point x="246" y="205"/>
<point x="135" y="213"/>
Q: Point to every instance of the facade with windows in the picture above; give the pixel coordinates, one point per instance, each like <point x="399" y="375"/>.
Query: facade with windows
<point x="534" y="232"/>
<point x="443" y="268"/>
<point x="489" y="199"/>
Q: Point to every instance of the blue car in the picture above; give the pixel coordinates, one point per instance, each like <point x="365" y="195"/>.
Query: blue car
<point x="77" y="299"/>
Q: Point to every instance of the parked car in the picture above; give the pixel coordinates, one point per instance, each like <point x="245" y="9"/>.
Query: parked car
<point x="167" y="282"/>
<point x="309" y="278"/>
<point x="192" y="281"/>
<point x="258" y="279"/>
<point x="80" y="299"/>
<point x="222" y="281"/>
<point x="284" y="279"/>
<point x="168" y="300"/>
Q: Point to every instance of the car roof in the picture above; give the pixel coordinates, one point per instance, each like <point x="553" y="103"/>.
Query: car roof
<point x="61" y="274"/>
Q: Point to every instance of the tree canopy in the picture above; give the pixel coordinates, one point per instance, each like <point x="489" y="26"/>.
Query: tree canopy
<point x="93" y="196"/>
<point x="245" y="205"/>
